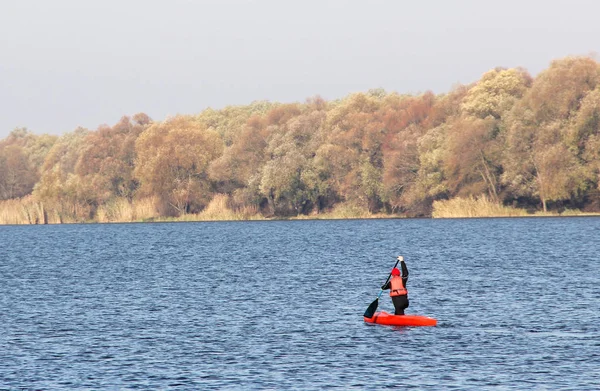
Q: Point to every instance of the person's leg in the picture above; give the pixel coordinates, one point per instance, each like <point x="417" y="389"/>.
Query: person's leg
<point x="400" y="303"/>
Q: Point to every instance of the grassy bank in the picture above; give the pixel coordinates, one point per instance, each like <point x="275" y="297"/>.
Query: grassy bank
<point x="29" y="211"/>
<point x="484" y="207"/>
<point x="219" y="210"/>
<point x="344" y="211"/>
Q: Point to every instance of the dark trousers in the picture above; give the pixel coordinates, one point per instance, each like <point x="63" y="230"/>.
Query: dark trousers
<point x="400" y="304"/>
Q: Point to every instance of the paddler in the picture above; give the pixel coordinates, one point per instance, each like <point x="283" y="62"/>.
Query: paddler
<point x="397" y="287"/>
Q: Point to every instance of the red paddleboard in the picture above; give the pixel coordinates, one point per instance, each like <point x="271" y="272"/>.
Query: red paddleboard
<point x="401" y="320"/>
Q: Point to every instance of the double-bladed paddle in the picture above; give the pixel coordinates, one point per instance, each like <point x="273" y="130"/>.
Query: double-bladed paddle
<point x="373" y="306"/>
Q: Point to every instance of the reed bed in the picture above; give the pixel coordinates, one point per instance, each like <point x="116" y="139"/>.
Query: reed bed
<point x="345" y="211"/>
<point x="122" y="210"/>
<point x="576" y="212"/>
<point x="11" y="213"/>
<point x="28" y="210"/>
<point x="145" y="209"/>
<point x="483" y="207"/>
<point x="473" y="207"/>
<point x="21" y="211"/>
<point x="220" y="209"/>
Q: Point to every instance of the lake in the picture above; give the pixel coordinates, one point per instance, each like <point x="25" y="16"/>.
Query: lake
<point x="278" y="305"/>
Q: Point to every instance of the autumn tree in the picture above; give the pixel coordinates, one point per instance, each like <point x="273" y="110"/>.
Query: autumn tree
<point x="496" y="92"/>
<point x="534" y="141"/>
<point x="472" y="153"/>
<point x="584" y="136"/>
<point x="538" y="161"/>
<point x="229" y="121"/>
<point x="474" y="140"/>
<point x="172" y="162"/>
<point x="401" y="168"/>
<point x="22" y="154"/>
<point x="414" y="150"/>
<point x="241" y="160"/>
<point x="17" y="176"/>
<point x="289" y="177"/>
<point x="59" y="186"/>
<point x="107" y="161"/>
<point x="355" y="133"/>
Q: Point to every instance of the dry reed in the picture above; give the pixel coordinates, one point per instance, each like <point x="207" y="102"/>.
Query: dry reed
<point x="473" y="207"/>
<point x="343" y="211"/>
<point x="145" y="209"/>
<point x="219" y="210"/>
<point x="27" y="210"/>
<point x="22" y="211"/>
<point x="118" y="210"/>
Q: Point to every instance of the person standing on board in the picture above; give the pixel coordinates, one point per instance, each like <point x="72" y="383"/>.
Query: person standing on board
<point x="397" y="287"/>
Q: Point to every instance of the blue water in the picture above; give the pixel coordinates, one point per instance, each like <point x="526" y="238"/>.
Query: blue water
<point x="278" y="305"/>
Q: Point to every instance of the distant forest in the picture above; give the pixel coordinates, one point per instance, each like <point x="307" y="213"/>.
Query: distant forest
<point x="520" y="141"/>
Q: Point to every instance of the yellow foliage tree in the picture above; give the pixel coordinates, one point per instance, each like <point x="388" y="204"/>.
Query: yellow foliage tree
<point x="172" y="161"/>
<point x="496" y="92"/>
<point x="540" y="159"/>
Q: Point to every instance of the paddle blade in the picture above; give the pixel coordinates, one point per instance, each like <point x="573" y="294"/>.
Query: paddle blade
<point x="372" y="308"/>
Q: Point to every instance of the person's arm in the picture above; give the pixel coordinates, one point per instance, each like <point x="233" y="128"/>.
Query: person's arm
<point x="404" y="273"/>
<point x="386" y="286"/>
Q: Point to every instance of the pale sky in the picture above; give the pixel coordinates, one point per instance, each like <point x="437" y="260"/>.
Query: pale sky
<point x="69" y="63"/>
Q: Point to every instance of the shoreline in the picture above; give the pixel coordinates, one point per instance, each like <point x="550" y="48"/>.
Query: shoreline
<point x="187" y="219"/>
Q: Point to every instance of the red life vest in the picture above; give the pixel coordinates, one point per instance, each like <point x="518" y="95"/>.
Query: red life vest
<point x="397" y="287"/>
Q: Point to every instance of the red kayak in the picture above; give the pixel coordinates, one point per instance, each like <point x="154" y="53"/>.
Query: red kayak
<point x="401" y="320"/>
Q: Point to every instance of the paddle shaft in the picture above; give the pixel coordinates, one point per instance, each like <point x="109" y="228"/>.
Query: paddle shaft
<point x="390" y="275"/>
<point x="388" y="278"/>
<point x="373" y="306"/>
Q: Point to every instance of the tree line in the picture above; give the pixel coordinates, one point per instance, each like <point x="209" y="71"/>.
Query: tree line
<point x="529" y="142"/>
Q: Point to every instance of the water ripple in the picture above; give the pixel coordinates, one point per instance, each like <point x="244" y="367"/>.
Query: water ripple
<point x="278" y="305"/>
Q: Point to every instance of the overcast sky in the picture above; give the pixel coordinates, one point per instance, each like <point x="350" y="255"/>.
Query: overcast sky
<point x="69" y="63"/>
